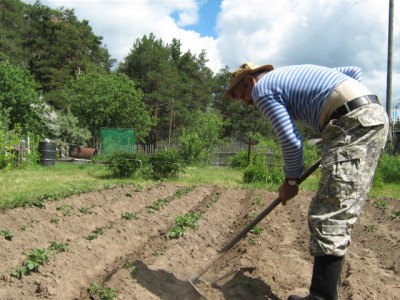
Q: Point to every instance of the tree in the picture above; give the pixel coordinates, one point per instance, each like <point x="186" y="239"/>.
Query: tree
<point x="20" y="98"/>
<point x="201" y="137"/>
<point x="107" y="100"/>
<point x="60" y="46"/>
<point x="174" y="83"/>
<point x="149" y="65"/>
<point x="12" y="24"/>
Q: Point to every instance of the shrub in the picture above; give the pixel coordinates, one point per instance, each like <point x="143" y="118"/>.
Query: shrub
<point x="239" y="160"/>
<point x="125" y="164"/>
<point x="255" y="173"/>
<point x="165" y="164"/>
<point x="260" y="173"/>
<point x="191" y="148"/>
<point x="388" y="169"/>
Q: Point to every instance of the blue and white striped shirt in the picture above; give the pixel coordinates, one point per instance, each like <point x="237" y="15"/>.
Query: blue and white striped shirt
<point x="297" y="93"/>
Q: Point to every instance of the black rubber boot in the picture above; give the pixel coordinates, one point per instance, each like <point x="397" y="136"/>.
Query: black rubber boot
<point x="325" y="280"/>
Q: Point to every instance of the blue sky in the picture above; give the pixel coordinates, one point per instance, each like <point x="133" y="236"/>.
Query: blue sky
<point x="325" y="32"/>
<point x="208" y="13"/>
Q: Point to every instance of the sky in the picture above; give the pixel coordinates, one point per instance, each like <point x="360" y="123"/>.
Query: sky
<point x="278" y="32"/>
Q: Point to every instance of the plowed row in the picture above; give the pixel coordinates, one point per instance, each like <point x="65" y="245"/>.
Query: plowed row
<point x="136" y="259"/>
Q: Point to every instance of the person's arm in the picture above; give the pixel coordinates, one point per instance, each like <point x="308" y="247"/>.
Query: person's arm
<point x="288" y="136"/>
<point x="353" y="72"/>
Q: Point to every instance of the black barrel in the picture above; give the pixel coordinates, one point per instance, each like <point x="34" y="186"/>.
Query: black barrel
<point x="47" y="153"/>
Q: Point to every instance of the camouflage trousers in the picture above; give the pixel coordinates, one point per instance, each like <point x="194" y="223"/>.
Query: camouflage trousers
<point x="351" y="149"/>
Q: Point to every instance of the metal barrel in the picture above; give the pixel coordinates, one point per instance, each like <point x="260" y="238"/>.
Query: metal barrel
<point x="47" y="153"/>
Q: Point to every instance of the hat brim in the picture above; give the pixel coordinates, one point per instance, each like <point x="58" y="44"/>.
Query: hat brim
<point x="234" y="81"/>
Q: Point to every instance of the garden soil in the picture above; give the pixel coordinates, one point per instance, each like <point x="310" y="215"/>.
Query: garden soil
<point x="132" y="256"/>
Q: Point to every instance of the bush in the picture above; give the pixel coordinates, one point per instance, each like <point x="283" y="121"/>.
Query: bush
<point x="388" y="169"/>
<point x="165" y="164"/>
<point x="255" y="174"/>
<point x="260" y="173"/>
<point x="191" y="148"/>
<point x="239" y="160"/>
<point x="125" y="164"/>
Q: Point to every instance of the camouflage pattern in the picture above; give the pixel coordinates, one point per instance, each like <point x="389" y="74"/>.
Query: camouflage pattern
<point x="351" y="149"/>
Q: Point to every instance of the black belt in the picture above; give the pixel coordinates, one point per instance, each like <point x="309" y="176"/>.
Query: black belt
<point x="352" y="105"/>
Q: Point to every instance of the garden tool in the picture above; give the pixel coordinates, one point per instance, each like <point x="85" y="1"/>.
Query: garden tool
<point x="245" y="230"/>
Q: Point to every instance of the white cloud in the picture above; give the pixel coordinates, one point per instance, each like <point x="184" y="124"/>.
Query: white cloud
<point x="330" y="33"/>
<point x="326" y="32"/>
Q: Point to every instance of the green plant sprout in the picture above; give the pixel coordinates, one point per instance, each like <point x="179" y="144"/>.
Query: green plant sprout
<point x="55" y="220"/>
<point x="95" y="233"/>
<point x="65" y="209"/>
<point x="180" y="224"/>
<point x="370" y="227"/>
<point x="7" y="234"/>
<point x="99" y="292"/>
<point x="25" y="227"/>
<point x="58" y="247"/>
<point x="35" y="259"/>
<point x="258" y="201"/>
<point x="158" y="252"/>
<point x="129" y="216"/>
<point x="396" y="214"/>
<point x="381" y="204"/>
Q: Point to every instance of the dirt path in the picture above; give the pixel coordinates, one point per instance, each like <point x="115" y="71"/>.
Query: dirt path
<point x="132" y="255"/>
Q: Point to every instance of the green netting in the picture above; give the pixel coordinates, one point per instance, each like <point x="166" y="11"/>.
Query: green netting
<point x="117" y="140"/>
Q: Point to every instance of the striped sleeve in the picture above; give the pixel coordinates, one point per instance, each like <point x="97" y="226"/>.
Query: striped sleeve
<point x="288" y="136"/>
<point x="353" y="72"/>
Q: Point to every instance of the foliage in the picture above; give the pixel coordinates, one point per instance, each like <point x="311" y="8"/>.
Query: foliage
<point x="191" y="148"/>
<point x="190" y="220"/>
<point x="259" y="173"/>
<point x="12" y="25"/>
<point x="8" y="156"/>
<point x="165" y="164"/>
<point x="74" y="48"/>
<point x="7" y="234"/>
<point x="255" y="173"/>
<point x="126" y="164"/>
<point x="240" y="160"/>
<point x="388" y="169"/>
<point x="129" y="216"/>
<point x="101" y="293"/>
<point x="174" y="83"/>
<point x="107" y="100"/>
<point x="67" y="128"/>
<point x="35" y="259"/>
<point x="19" y="99"/>
<point x="201" y="137"/>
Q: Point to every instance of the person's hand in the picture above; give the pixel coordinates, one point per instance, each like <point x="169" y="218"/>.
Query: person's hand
<point x="287" y="191"/>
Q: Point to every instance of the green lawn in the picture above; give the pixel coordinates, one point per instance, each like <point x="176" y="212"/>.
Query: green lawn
<point x="33" y="184"/>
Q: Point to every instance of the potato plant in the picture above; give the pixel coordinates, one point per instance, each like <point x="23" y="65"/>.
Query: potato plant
<point x="7" y="234"/>
<point x="37" y="258"/>
<point x="98" y="292"/>
<point x="180" y="224"/>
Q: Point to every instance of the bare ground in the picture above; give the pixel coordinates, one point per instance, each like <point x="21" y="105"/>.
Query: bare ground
<point x="136" y="260"/>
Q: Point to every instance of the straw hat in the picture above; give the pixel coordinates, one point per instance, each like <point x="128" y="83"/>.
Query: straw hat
<point x="243" y="70"/>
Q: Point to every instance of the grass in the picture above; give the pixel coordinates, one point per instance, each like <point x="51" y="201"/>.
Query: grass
<point x="31" y="185"/>
<point x="35" y="184"/>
